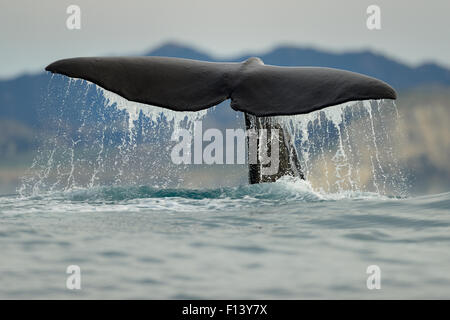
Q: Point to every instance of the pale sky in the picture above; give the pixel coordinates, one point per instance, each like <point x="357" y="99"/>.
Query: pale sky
<point x="34" y="33"/>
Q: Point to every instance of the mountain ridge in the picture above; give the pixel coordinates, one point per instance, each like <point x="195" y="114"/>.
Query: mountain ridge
<point x="396" y="73"/>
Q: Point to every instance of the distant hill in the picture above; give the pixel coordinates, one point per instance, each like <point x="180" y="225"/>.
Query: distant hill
<point x="21" y="96"/>
<point x="179" y="51"/>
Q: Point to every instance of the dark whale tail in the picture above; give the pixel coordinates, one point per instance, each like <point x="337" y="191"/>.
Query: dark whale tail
<point x="256" y="89"/>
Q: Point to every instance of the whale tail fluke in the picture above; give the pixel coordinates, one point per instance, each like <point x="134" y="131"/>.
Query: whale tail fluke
<point x="254" y="88"/>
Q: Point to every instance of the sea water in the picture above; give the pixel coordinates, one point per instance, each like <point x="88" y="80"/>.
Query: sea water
<point x="103" y="195"/>
<point x="278" y="240"/>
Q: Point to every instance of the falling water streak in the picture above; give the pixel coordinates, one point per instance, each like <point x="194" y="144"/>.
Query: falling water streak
<point x="368" y="107"/>
<point x="340" y="157"/>
<point x="402" y="175"/>
<point x="70" y="183"/>
<point x="98" y="164"/>
<point x="312" y="148"/>
<point x="374" y="172"/>
<point x="340" y="161"/>
<point x="336" y="116"/>
<point x="81" y="101"/>
<point x="83" y="111"/>
<point x="394" y="163"/>
<point x="387" y="145"/>
<point x="349" y="166"/>
<point x="358" y="158"/>
<point x="322" y="151"/>
<point x="62" y="133"/>
<point x="101" y="143"/>
<point x="55" y="141"/>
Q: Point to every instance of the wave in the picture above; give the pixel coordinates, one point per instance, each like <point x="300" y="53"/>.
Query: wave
<point x="288" y="195"/>
<point x="285" y="189"/>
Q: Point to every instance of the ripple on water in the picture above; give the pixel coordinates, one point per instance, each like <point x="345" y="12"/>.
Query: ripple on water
<point x="275" y="241"/>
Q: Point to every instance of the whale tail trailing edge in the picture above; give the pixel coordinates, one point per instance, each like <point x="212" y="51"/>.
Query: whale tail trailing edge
<point x="254" y="88"/>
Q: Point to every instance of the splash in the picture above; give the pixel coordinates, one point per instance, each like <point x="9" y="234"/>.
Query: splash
<point x="93" y="137"/>
<point x="349" y="147"/>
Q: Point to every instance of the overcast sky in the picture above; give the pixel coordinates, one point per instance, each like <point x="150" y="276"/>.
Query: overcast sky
<point x="34" y="33"/>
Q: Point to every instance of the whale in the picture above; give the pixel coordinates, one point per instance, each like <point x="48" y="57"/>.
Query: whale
<point x="258" y="90"/>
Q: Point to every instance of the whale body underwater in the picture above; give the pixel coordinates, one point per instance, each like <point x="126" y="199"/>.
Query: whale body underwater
<point x="259" y="91"/>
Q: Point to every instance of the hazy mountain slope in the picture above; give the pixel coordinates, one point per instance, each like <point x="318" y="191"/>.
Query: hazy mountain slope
<point x="20" y="98"/>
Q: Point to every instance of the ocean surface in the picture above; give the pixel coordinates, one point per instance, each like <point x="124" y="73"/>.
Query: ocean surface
<point x="270" y="241"/>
